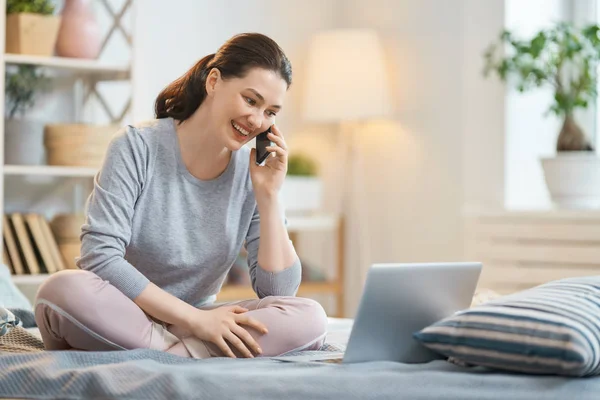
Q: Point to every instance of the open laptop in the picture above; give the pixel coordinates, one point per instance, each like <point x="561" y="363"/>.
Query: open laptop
<point x="398" y="300"/>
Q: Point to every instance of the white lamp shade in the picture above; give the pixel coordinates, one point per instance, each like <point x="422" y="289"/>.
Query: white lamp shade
<point x="346" y="77"/>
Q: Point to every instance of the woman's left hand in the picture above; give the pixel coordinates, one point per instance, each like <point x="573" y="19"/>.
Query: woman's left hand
<point x="268" y="179"/>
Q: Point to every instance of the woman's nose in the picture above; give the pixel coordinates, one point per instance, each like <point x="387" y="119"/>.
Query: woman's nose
<point x="255" y="121"/>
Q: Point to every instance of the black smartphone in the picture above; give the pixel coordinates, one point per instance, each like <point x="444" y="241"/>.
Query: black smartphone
<point x="262" y="141"/>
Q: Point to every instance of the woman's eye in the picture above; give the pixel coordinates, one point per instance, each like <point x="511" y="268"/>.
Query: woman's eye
<point x="271" y="114"/>
<point x="250" y="101"/>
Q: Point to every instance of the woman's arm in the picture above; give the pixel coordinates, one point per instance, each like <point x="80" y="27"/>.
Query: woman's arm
<point x="283" y="272"/>
<point x="276" y="251"/>
<point x="275" y="269"/>
<point x="164" y="306"/>
<point x="109" y="212"/>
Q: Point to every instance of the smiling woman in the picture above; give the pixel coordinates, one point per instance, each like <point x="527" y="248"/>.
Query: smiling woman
<point x="254" y="57"/>
<point x="174" y="202"/>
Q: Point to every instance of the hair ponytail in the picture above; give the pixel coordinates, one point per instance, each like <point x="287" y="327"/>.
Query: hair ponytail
<point x="183" y="96"/>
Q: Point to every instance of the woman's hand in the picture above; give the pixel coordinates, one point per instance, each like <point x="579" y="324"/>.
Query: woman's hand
<point x="222" y="325"/>
<point x="268" y="179"/>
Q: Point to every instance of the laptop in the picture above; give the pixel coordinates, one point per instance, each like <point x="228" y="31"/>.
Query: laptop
<point x="398" y="300"/>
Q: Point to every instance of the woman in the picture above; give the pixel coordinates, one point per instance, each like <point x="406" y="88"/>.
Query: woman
<point x="173" y="204"/>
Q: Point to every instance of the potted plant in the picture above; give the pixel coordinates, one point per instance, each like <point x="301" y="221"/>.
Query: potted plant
<point x="564" y="58"/>
<point x="302" y="188"/>
<point x="31" y="27"/>
<point x="23" y="138"/>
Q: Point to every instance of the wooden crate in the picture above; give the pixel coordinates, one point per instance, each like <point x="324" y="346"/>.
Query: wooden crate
<point x="32" y="34"/>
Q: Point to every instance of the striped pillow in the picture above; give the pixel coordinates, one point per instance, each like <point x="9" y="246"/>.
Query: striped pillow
<point x="550" y="329"/>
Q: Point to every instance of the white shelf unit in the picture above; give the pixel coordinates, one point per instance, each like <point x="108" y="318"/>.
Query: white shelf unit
<point x="43" y="170"/>
<point x="29" y="280"/>
<point x="84" y="75"/>
<point x="95" y="69"/>
<point x="316" y="222"/>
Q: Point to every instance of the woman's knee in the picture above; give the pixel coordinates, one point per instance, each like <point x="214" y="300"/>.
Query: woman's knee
<point x="63" y="288"/>
<point x="312" y="312"/>
<point x="308" y="321"/>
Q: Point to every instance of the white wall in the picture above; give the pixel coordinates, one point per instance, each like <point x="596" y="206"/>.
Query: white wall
<point x="415" y="170"/>
<point x="483" y="109"/>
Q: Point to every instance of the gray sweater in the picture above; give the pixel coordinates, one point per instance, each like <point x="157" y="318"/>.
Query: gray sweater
<point x="148" y="219"/>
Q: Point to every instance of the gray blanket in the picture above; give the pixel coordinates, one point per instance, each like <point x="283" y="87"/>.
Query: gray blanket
<point x="148" y="374"/>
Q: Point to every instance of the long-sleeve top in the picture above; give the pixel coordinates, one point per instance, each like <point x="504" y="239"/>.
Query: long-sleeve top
<point x="148" y="219"/>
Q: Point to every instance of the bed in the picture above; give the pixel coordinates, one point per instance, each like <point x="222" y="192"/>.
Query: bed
<point x="148" y="374"/>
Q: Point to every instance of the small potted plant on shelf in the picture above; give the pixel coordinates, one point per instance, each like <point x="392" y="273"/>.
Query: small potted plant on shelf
<point x="564" y="58"/>
<point x="23" y="138"/>
<point x="31" y="27"/>
<point x="302" y="188"/>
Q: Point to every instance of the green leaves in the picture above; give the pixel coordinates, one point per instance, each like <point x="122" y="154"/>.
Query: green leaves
<point x="301" y="165"/>
<point x="537" y="45"/>
<point x="591" y="34"/>
<point x="45" y="7"/>
<point x="21" y="88"/>
<point x="563" y="57"/>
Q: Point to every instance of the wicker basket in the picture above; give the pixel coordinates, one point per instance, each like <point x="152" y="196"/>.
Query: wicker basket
<point x="77" y="145"/>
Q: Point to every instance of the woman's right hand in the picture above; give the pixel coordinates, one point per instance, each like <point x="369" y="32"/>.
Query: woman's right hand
<point x="224" y="324"/>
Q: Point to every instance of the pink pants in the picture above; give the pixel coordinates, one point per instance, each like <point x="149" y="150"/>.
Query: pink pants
<point x="76" y="309"/>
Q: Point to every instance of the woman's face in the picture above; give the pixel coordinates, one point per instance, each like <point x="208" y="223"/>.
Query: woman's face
<point x="244" y="107"/>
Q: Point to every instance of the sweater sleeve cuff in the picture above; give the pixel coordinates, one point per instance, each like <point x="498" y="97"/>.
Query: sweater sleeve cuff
<point x="280" y="283"/>
<point x="124" y="277"/>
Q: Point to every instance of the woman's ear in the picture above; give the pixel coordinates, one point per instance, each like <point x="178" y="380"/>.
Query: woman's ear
<point x="214" y="76"/>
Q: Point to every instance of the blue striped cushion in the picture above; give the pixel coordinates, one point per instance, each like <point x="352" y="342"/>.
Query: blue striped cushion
<point x="550" y="329"/>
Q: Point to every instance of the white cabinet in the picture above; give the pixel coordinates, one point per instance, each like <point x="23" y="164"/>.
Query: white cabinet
<point x="522" y="249"/>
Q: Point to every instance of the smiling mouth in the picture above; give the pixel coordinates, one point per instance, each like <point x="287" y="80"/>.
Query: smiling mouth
<point x="240" y="130"/>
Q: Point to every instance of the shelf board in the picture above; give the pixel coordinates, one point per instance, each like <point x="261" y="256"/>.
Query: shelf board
<point x="319" y="222"/>
<point x="29" y="279"/>
<point x="76" y="65"/>
<point x="239" y="292"/>
<point x="46" y="170"/>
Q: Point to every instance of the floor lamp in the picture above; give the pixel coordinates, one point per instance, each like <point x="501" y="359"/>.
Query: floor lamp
<point x="346" y="84"/>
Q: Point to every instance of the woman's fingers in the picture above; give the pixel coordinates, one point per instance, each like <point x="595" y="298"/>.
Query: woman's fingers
<point x="276" y="149"/>
<point x="233" y="334"/>
<point x="278" y="139"/>
<point x="248" y="321"/>
<point x="247" y="338"/>
<point x="222" y="344"/>
<point x="237" y="342"/>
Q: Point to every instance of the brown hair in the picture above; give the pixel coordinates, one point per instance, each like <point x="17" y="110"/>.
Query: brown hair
<point x="182" y="97"/>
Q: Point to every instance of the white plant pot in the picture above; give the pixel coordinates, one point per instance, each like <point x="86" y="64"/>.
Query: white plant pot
<point x="573" y="179"/>
<point x="23" y="142"/>
<point x="302" y="193"/>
